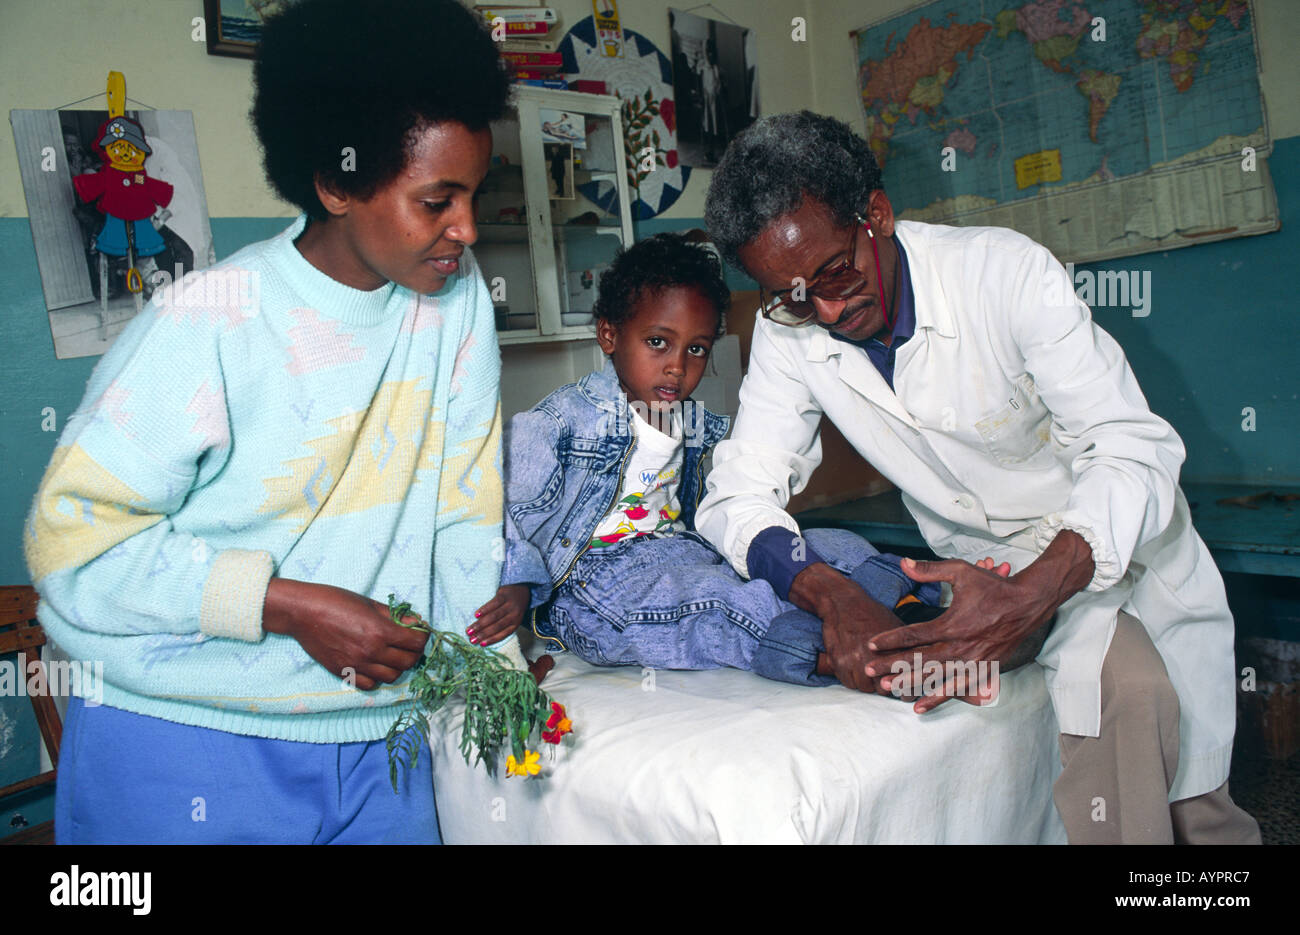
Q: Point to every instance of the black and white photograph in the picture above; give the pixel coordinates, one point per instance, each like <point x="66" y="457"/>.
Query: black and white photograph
<point x="559" y="170"/>
<point x="715" y="83"/>
<point x="117" y="210"/>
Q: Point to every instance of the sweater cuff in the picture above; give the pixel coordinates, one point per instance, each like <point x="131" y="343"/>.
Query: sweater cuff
<point x="234" y="594"/>
<point x="513" y="652"/>
<point x="777" y="555"/>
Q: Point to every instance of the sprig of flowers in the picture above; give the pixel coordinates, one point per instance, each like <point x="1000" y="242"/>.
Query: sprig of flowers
<point x="504" y="706"/>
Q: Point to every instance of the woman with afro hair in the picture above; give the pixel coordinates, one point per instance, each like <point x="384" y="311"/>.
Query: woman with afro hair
<point x="277" y="444"/>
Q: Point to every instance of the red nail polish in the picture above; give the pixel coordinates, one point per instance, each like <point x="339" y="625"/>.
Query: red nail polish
<point x="477" y="614"/>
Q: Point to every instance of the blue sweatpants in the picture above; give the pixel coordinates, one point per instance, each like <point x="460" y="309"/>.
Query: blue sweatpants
<point x="126" y="778"/>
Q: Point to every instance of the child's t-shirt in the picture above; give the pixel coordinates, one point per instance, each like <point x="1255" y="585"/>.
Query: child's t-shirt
<point x="647" y="500"/>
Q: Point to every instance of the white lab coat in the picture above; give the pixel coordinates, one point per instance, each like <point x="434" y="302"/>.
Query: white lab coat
<point x="1012" y="417"/>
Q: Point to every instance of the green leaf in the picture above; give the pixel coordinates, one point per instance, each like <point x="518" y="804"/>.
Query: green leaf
<point x="503" y="706"/>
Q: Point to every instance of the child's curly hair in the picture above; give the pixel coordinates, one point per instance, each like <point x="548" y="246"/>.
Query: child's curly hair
<point x="660" y="262"/>
<point x="333" y="74"/>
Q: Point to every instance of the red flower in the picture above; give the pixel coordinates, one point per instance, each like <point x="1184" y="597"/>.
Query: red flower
<point x="668" y="113"/>
<point x="636" y="512"/>
<point x="559" y="724"/>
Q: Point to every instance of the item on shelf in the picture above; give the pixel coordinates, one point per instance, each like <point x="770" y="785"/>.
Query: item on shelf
<point x="516" y="29"/>
<point x="583" y="284"/>
<point x="535" y="61"/>
<point x="528" y="74"/>
<point x="519" y="14"/>
<point x="559" y="166"/>
<point x="554" y="84"/>
<point x="562" y="126"/>
<point x="529" y="45"/>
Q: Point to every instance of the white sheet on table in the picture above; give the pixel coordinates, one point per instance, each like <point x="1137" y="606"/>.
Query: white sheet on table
<point x="726" y="756"/>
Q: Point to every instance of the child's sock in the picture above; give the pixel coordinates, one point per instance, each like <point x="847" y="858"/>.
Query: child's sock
<point x="912" y="609"/>
<point x="884" y="580"/>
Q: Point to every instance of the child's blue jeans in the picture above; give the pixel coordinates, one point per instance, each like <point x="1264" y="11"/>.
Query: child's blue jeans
<point x="675" y="603"/>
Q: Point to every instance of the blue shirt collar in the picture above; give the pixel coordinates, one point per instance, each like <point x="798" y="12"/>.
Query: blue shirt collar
<point x="905" y="325"/>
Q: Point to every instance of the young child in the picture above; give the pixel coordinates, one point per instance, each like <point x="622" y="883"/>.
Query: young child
<point x="275" y="445"/>
<point x="603" y="478"/>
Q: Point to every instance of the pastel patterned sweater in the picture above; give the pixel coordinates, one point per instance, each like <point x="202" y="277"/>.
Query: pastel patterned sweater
<point x="260" y="418"/>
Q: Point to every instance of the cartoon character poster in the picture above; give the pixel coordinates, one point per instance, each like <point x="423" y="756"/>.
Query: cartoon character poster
<point x="117" y="211"/>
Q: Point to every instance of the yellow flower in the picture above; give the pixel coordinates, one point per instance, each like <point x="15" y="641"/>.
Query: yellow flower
<point x="531" y="766"/>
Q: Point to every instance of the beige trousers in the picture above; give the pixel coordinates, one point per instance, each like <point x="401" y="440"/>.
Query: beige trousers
<point x="1115" y="787"/>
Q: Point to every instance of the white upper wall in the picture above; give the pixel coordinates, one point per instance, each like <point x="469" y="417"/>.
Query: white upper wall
<point x="53" y="52"/>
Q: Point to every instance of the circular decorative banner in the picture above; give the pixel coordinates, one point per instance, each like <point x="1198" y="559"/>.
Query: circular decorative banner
<point x="643" y="80"/>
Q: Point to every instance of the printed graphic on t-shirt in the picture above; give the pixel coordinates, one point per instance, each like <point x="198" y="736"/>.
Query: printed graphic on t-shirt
<point x="651" y="510"/>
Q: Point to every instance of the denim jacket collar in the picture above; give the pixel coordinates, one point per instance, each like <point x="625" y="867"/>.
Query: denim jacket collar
<point x="601" y="389"/>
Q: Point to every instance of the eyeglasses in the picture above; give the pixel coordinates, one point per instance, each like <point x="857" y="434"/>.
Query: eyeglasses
<point x="839" y="282"/>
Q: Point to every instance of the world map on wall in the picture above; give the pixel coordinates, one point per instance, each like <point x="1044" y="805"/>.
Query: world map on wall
<point x="1033" y="98"/>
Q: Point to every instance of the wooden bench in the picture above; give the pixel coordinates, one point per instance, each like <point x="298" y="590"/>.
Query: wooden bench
<point x="20" y="633"/>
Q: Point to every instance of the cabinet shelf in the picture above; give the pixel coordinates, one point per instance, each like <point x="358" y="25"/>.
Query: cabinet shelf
<point x="544" y="270"/>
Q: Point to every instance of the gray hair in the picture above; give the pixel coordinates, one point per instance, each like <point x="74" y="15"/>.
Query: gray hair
<point x="771" y="167"/>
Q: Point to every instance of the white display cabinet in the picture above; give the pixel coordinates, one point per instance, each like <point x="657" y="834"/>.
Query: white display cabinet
<point x="541" y="252"/>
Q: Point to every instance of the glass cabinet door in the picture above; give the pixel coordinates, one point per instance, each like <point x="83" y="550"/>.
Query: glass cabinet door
<point x="502" y="249"/>
<point x="553" y="212"/>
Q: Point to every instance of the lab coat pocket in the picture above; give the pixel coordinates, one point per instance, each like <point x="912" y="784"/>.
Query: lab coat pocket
<point x="1019" y="430"/>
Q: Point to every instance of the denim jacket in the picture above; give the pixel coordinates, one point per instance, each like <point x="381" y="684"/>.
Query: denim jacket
<point x="564" y="462"/>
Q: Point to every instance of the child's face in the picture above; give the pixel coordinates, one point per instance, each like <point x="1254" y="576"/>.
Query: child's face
<point x="414" y="229"/>
<point x="661" y="350"/>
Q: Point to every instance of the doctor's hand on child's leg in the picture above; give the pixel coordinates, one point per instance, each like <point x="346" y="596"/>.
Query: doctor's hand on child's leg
<point x="350" y="635"/>
<point x="824" y="666"/>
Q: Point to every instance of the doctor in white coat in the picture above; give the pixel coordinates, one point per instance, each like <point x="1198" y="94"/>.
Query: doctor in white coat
<point x="961" y="365"/>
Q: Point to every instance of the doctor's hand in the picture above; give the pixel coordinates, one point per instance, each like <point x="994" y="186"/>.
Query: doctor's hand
<point x="990" y="617"/>
<point x="849" y="619"/>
